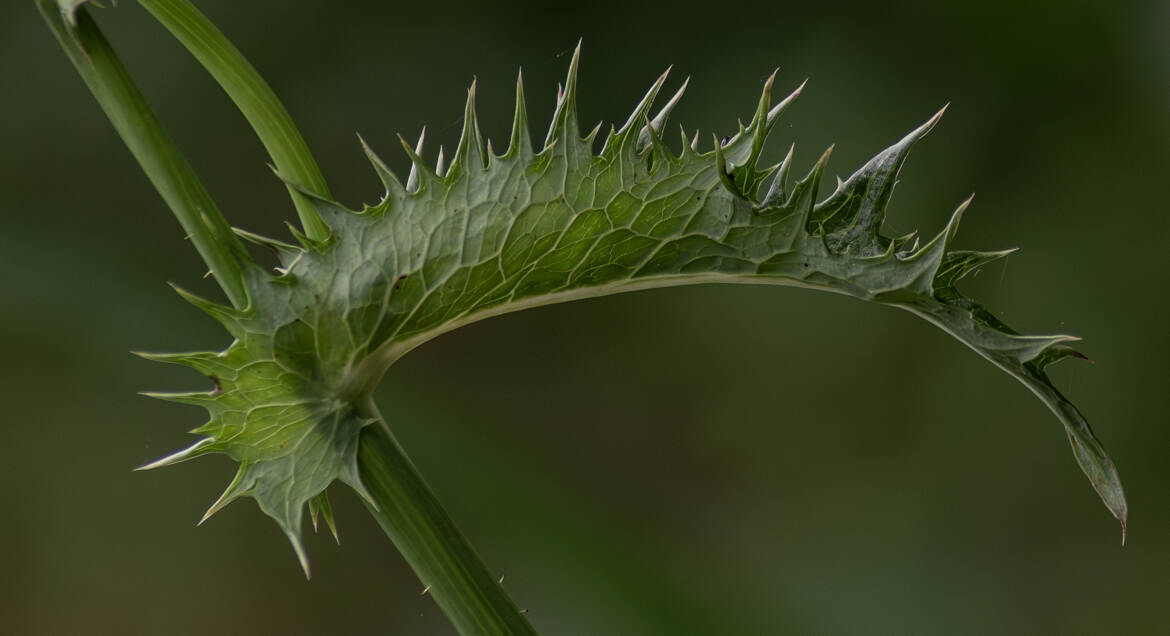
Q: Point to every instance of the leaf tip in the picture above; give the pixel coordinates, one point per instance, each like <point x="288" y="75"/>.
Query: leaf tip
<point x="302" y="557"/>
<point x="783" y="105"/>
<point x="933" y="121"/>
<point x="825" y="156"/>
<point x="771" y="79"/>
<point x="193" y="450"/>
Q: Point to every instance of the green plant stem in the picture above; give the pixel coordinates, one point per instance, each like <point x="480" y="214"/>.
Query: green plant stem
<point x="403" y="504"/>
<point x="449" y="568"/>
<point x="164" y="165"/>
<point x="255" y="99"/>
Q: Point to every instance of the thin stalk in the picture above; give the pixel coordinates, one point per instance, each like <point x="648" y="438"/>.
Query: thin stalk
<point x="255" y="99"/>
<point x="164" y="165"/>
<point x="404" y="505"/>
<point x="449" y="568"/>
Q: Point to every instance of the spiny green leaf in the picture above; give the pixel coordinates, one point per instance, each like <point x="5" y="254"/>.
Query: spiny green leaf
<point x="495" y="234"/>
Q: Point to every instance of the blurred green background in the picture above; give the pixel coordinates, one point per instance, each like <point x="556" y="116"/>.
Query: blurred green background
<point x="710" y="460"/>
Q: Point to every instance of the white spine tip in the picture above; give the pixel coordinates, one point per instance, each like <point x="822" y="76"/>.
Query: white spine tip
<point x="422" y="137"/>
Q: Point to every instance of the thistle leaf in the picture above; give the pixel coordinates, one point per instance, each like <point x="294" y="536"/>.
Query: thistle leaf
<point x="490" y="235"/>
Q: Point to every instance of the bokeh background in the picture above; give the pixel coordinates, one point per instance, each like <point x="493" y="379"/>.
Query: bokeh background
<point x="710" y="460"/>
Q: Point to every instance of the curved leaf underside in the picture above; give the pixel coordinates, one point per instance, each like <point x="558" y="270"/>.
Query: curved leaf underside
<point x="491" y="234"/>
